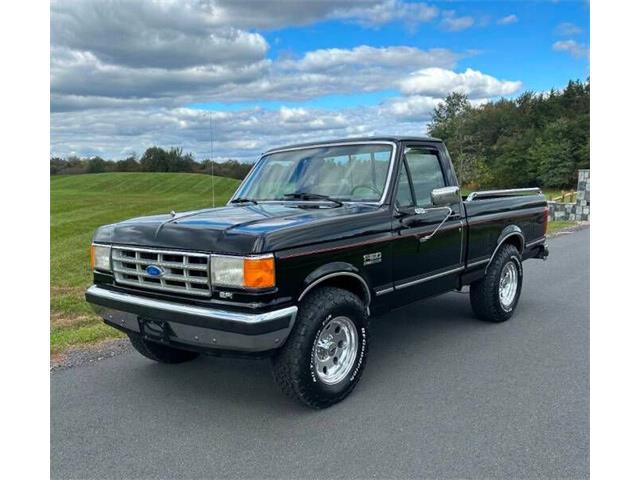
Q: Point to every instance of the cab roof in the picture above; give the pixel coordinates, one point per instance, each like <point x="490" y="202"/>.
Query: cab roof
<point x="387" y="138"/>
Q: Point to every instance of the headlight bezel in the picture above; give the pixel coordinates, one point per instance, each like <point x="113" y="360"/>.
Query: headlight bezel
<point x="253" y="272"/>
<point x="100" y="257"/>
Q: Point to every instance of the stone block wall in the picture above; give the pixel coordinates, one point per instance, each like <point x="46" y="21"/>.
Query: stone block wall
<point x="580" y="210"/>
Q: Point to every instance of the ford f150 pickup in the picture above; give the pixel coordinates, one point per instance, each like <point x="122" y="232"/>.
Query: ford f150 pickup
<point x="318" y="239"/>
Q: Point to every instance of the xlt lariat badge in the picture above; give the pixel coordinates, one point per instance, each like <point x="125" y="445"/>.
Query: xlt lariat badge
<point x="371" y="258"/>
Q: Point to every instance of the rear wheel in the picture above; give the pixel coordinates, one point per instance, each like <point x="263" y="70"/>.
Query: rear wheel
<point x="495" y="297"/>
<point x="161" y="353"/>
<point x="326" y="352"/>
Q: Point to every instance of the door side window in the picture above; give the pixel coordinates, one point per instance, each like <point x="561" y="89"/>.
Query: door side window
<point x="426" y="174"/>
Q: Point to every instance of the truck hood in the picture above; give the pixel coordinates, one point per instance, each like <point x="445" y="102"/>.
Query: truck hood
<point x="244" y="229"/>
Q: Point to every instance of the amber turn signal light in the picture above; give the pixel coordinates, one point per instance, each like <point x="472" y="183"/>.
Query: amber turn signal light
<point x="259" y="272"/>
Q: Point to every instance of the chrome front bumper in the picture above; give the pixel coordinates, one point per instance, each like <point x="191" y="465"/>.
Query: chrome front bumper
<point x="191" y="325"/>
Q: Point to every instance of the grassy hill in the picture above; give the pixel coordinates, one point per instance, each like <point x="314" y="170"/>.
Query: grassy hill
<point x="81" y="203"/>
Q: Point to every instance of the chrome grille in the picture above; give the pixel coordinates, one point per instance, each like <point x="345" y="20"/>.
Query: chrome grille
<point x="183" y="272"/>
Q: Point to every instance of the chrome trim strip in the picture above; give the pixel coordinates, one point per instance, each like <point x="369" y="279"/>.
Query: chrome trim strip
<point x="426" y="279"/>
<point x="338" y="274"/>
<point x="384" y="291"/>
<point x="536" y="242"/>
<point x="392" y="159"/>
<point x="478" y="262"/>
<point x="207" y="313"/>
<point x="252" y="257"/>
<point x="502" y="193"/>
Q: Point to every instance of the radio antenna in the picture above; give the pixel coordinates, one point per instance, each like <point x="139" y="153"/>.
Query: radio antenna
<point x="213" y="179"/>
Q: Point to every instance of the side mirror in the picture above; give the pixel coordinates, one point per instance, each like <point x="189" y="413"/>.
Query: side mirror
<point x="445" y="196"/>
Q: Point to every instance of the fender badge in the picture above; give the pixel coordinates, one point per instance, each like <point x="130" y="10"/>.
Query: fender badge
<point x="371" y="258"/>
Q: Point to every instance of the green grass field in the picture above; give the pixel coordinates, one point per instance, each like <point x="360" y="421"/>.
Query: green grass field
<point x="80" y="204"/>
<point x="560" y="225"/>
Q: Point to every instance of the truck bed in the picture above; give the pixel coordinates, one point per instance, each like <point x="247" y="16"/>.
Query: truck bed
<point x="521" y="212"/>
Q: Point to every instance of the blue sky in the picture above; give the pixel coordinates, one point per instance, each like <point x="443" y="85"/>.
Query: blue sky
<point x="507" y="51"/>
<point x="129" y="75"/>
<point x="520" y="50"/>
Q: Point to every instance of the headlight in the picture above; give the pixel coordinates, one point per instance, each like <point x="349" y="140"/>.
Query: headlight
<point x="101" y="257"/>
<point x="243" y="272"/>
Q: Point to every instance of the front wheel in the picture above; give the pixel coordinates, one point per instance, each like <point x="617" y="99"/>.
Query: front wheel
<point x="326" y="352"/>
<point x="495" y="297"/>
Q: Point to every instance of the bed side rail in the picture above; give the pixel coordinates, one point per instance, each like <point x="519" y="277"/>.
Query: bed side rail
<point x="512" y="192"/>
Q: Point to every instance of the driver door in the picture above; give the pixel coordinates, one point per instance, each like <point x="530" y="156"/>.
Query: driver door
<point x="429" y="243"/>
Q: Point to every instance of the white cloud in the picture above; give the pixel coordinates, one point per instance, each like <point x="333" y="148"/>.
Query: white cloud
<point x="439" y="82"/>
<point x="170" y="35"/>
<point x="317" y="73"/>
<point x="568" y="29"/>
<point x="122" y="73"/>
<point x="363" y="55"/>
<point x="83" y="74"/>
<point x="452" y="23"/>
<point x="414" y="108"/>
<point x="572" y="47"/>
<point x="130" y="52"/>
<point x="242" y="134"/>
<point x="507" y="20"/>
<point x="388" y="11"/>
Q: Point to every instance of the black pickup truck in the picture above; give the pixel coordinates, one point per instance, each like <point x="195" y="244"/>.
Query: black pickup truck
<point x="317" y="239"/>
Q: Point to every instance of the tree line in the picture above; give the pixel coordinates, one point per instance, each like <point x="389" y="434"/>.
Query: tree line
<point x="533" y="140"/>
<point x="154" y="159"/>
<point x="536" y="139"/>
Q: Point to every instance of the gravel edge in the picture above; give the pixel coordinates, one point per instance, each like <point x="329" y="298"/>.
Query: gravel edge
<point x="88" y="354"/>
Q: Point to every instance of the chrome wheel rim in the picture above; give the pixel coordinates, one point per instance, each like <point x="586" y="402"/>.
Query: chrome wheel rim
<point x="508" y="284"/>
<point x="335" y="350"/>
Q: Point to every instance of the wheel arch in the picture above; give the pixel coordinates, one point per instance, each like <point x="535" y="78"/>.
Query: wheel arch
<point x="339" y="274"/>
<point x="511" y="235"/>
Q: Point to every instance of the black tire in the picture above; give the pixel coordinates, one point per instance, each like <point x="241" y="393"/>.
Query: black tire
<point x="485" y="296"/>
<point x="294" y="365"/>
<point x="161" y="353"/>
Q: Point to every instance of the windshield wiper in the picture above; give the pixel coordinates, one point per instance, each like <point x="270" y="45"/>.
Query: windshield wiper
<point x="311" y="196"/>
<point x="243" y="200"/>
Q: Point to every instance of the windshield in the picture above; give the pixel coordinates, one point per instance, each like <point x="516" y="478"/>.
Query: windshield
<point x="345" y="173"/>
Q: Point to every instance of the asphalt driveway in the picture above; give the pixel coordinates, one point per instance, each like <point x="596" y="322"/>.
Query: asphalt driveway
<point x="443" y="396"/>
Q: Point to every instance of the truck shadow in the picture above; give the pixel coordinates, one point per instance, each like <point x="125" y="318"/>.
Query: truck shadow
<point x="404" y="338"/>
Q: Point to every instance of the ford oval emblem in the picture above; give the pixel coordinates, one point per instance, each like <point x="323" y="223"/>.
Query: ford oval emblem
<point x="154" y="270"/>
